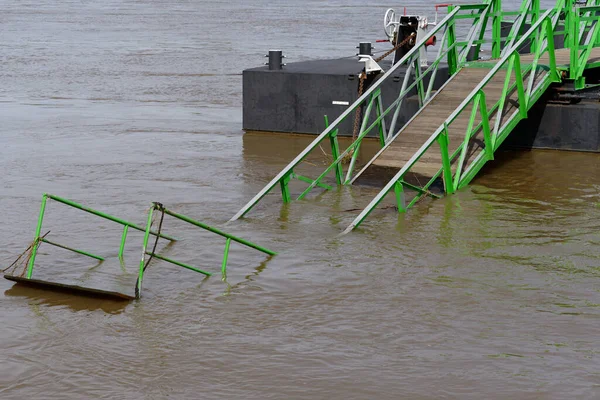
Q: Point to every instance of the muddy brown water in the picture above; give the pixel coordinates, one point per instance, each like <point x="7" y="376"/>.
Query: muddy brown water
<point x="490" y="293"/>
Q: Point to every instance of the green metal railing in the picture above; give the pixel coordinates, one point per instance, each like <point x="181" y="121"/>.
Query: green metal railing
<point x="39" y="239"/>
<point x="584" y="36"/>
<point x="530" y="82"/>
<point x="228" y="239"/>
<point x="578" y="25"/>
<point x="414" y="82"/>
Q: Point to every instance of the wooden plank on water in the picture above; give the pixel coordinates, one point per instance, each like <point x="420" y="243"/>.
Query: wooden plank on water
<point x="73" y="289"/>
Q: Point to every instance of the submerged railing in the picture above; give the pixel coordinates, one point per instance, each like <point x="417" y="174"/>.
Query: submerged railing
<point x="148" y="231"/>
<point x="152" y="254"/>
<point x="38" y="239"/>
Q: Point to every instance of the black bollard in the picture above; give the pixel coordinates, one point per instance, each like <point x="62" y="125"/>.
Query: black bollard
<point x="275" y="59"/>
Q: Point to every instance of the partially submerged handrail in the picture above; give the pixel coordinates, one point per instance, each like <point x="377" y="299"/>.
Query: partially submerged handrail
<point x="229" y="238"/>
<point x="39" y="239"/>
<point x="284" y="175"/>
<point x="477" y="92"/>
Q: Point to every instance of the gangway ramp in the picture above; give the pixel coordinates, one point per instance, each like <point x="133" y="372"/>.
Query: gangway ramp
<point x="458" y="128"/>
<point x="398" y="152"/>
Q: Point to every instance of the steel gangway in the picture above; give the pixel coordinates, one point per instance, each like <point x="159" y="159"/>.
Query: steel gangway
<point x="458" y="127"/>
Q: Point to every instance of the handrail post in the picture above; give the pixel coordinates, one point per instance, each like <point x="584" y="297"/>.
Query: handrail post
<point x="36" y="242"/>
<point x="285" y="190"/>
<point x="574" y="50"/>
<point x="452" y="54"/>
<point x="123" y="239"/>
<point x="335" y="151"/>
<point x="447" y="169"/>
<point x="144" y="246"/>
<point x="400" y="197"/>
<point x="225" y="257"/>
<point x="496" y="28"/>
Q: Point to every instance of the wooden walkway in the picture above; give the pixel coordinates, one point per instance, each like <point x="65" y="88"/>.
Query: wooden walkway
<point x="431" y="117"/>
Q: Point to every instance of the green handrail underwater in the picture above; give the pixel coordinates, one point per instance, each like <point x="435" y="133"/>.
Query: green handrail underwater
<point x="39" y="239"/>
<point x="492" y="137"/>
<point x="229" y="238"/>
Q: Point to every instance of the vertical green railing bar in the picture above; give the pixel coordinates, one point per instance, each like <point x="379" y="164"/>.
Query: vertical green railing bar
<point x="229" y="238"/>
<point x="38" y="231"/>
<point x="496" y="28"/>
<point x="144" y="249"/>
<point x="451" y="37"/>
<point x="225" y="258"/>
<point x="123" y="239"/>
<point x="335" y="152"/>
<point x="285" y="190"/>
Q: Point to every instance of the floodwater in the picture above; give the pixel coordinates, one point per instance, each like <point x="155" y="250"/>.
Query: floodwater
<point x="491" y="293"/>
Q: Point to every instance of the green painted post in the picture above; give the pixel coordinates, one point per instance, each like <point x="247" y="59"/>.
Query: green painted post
<point x="38" y="231"/>
<point x="123" y="239"/>
<point x="485" y="122"/>
<point x="400" y="200"/>
<point x="447" y="169"/>
<point x="535" y="15"/>
<point x="285" y="190"/>
<point x="523" y="101"/>
<point x="452" y="53"/>
<point x="144" y="246"/>
<point x="225" y="257"/>
<point x="335" y="152"/>
<point x="496" y="28"/>
<point x="574" y="32"/>
<point x="554" y="76"/>
<point x="465" y="145"/>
